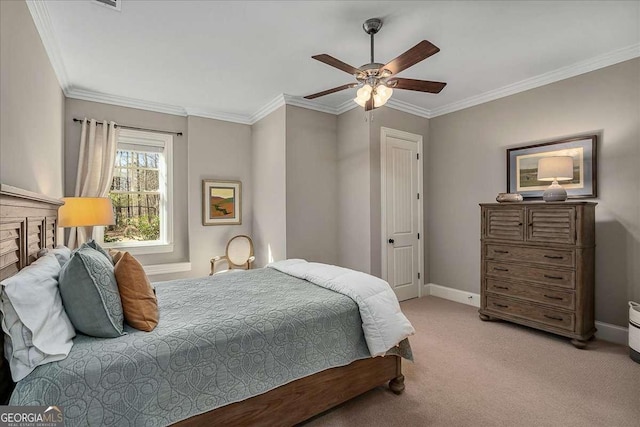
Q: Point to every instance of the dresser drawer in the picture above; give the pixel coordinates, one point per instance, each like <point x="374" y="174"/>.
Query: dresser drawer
<point x="541" y="275"/>
<point x="526" y="311"/>
<point x="563" y="258"/>
<point x="557" y="298"/>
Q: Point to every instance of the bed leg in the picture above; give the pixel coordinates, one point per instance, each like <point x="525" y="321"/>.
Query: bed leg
<point x="396" y="385"/>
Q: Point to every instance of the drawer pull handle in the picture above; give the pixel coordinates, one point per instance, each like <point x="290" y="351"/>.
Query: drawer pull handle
<point x="500" y="305"/>
<point x="500" y="269"/>
<point x="552" y="297"/>
<point x="553" y="277"/>
<point x="501" y="287"/>
<point x="553" y="257"/>
<point x="553" y="317"/>
<point x="501" y="252"/>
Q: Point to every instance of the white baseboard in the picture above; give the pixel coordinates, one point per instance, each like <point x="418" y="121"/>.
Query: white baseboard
<point x="452" y="294"/>
<point x="606" y="331"/>
<point x="612" y="333"/>
<point x="175" y="267"/>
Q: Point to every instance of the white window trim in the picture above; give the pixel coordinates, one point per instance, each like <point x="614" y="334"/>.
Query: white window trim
<point x="165" y="244"/>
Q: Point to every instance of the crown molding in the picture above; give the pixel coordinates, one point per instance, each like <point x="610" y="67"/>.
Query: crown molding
<point x="219" y="115"/>
<point x="298" y="101"/>
<point x="267" y="109"/>
<point x="396" y="104"/>
<point x="40" y="16"/>
<point x="123" y="101"/>
<point x="347" y="105"/>
<point x="582" y="67"/>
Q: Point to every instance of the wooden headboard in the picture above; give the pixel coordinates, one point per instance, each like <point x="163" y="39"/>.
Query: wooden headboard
<point x="28" y="223"/>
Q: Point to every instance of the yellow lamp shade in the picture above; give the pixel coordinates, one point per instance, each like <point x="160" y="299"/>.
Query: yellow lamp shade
<point x="558" y="168"/>
<point x="85" y="212"/>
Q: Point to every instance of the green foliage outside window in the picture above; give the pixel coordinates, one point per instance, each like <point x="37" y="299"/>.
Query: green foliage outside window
<point x="135" y="195"/>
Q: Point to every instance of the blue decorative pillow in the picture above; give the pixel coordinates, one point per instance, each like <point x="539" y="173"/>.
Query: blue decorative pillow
<point x="90" y="294"/>
<point x="94" y="245"/>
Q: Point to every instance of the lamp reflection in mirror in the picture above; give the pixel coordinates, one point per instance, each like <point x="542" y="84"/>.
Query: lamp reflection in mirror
<point x="85" y="212"/>
<point x="557" y="168"/>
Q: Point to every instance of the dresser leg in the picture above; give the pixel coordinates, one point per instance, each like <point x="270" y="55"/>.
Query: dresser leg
<point x="578" y="343"/>
<point x="484" y="317"/>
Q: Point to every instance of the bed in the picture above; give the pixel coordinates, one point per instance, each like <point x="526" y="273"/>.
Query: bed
<point x="253" y="345"/>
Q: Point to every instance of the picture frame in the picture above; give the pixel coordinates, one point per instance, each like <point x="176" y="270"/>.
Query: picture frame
<point x="522" y="167"/>
<point x="221" y="202"/>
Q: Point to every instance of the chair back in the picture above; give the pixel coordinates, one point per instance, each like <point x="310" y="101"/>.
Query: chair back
<point x="239" y="250"/>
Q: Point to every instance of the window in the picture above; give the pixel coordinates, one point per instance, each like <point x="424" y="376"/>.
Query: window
<point x="141" y="193"/>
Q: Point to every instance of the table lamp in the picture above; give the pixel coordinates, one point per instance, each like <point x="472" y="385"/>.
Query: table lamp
<point x="85" y="212"/>
<point x="557" y="168"/>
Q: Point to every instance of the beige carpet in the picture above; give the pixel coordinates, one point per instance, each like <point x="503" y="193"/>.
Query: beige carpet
<point x="473" y="373"/>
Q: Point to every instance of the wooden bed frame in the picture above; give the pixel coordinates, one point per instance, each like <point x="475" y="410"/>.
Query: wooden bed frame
<point x="28" y="223"/>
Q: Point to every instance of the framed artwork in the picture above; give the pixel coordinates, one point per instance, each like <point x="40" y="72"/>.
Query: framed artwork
<point x="522" y="167"/>
<point x="221" y="202"/>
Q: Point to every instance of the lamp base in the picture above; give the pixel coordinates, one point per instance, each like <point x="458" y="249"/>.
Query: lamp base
<point x="555" y="193"/>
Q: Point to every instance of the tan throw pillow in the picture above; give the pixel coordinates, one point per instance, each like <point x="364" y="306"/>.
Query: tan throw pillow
<point x="115" y="255"/>
<point x="139" y="302"/>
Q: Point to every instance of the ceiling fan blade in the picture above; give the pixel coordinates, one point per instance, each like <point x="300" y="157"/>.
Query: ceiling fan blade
<point x="419" y="52"/>
<point x="330" y="60"/>
<point x="417" y="85"/>
<point x="328" y="91"/>
<point x="368" y="106"/>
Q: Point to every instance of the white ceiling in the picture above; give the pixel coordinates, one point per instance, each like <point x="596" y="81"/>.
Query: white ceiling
<point x="235" y="57"/>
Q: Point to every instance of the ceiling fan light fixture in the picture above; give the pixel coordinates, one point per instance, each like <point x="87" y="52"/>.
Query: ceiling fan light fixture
<point x="363" y="95"/>
<point x="364" y="92"/>
<point x="376" y="81"/>
<point x="379" y="101"/>
<point x="384" y="91"/>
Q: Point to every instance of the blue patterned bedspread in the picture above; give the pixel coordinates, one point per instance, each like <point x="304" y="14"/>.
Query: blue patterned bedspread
<point x="220" y="340"/>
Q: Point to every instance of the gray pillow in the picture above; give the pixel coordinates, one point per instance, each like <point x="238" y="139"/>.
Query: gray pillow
<point x="90" y="294"/>
<point x="94" y="245"/>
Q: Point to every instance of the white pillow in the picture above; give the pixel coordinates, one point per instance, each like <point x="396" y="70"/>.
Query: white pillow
<point x="62" y="253"/>
<point x="37" y="329"/>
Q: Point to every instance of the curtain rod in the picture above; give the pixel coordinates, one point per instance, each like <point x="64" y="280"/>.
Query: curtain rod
<point x="133" y="127"/>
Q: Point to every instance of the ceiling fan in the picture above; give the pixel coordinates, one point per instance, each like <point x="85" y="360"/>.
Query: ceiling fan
<point x="376" y="81"/>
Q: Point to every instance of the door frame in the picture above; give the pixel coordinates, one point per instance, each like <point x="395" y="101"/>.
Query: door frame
<point x="399" y="134"/>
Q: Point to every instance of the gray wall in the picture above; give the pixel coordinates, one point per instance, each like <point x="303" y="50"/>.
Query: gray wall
<point x="146" y="119"/>
<point x="354" y="202"/>
<point x="467" y="166"/>
<point x="312" y="185"/>
<point x="268" y="167"/>
<point x="31" y="107"/>
<point x="394" y="119"/>
<point x="217" y="150"/>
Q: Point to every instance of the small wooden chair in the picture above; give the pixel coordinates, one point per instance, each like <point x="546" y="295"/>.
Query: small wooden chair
<point x="239" y="254"/>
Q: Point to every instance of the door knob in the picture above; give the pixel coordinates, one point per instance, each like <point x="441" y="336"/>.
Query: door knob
<point x="391" y="241"/>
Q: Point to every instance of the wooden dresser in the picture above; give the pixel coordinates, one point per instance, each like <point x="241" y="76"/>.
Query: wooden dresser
<point x="538" y="266"/>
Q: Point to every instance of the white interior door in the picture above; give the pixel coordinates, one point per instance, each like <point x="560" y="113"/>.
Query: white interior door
<point x="402" y="211"/>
